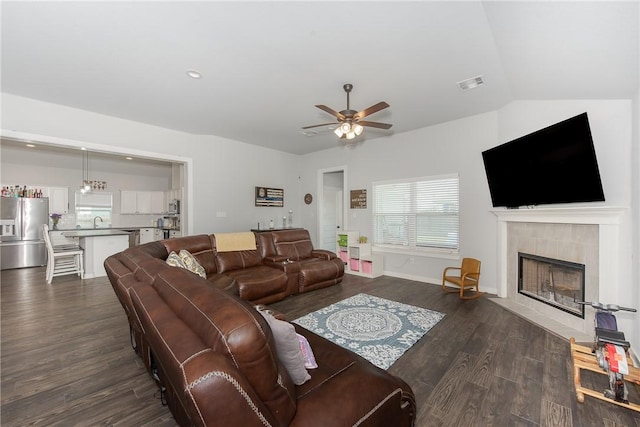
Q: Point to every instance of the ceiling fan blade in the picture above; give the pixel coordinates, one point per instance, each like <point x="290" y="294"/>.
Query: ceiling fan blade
<point x="374" y="124"/>
<point x="331" y="111"/>
<point x="373" y="109"/>
<point x="323" y="124"/>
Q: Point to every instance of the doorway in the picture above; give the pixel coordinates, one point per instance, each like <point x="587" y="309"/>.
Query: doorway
<point x="331" y="215"/>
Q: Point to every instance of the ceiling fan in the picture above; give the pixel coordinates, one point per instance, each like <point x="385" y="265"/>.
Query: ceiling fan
<point x="351" y="123"/>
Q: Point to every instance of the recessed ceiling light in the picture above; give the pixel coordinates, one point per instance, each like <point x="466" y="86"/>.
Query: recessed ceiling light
<point x="194" y="74"/>
<point x="129" y="158"/>
<point x="30" y="145"/>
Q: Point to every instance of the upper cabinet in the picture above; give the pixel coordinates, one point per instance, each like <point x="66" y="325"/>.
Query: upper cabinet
<point x="58" y="199"/>
<point x="142" y="202"/>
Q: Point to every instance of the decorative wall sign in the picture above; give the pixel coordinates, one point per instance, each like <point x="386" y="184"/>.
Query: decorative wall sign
<point x="269" y="197"/>
<point x="359" y="199"/>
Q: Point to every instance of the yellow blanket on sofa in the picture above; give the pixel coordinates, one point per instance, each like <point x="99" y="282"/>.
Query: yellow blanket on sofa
<point x="228" y="242"/>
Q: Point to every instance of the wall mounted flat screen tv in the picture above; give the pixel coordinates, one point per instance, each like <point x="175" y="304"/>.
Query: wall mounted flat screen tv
<point x="553" y="165"/>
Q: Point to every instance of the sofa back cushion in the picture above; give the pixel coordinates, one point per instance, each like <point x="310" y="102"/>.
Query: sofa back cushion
<point x="200" y="246"/>
<point x="264" y="241"/>
<point x="237" y="260"/>
<point x="231" y="327"/>
<point x="294" y="244"/>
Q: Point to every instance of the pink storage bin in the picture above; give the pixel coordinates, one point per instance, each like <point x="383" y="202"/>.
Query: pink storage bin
<point x="343" y="256"/>
<point x="354" y="265"/>
<point x="367" y="267"/>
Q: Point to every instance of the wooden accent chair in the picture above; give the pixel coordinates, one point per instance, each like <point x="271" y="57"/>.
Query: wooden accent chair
<point x="468" y="278"/>
<point x="62" y="259"/>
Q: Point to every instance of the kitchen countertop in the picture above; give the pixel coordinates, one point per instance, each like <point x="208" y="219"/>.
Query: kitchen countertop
<point x="94" y="232"/>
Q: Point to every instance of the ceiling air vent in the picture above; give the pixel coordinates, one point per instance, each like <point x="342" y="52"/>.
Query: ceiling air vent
<point x="471" y="83"/>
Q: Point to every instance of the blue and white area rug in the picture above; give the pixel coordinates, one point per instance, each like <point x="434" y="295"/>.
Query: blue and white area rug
<point x="377" y="329"/>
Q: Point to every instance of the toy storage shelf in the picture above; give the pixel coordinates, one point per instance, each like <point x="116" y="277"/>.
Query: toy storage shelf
<point x="358" y="258"/>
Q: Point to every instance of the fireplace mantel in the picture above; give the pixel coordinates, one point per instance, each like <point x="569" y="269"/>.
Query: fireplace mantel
<point x="573" y="215"/>
<point x="608" y="218"/>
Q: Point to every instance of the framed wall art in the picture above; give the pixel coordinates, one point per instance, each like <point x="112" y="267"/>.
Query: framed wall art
<point x="269" y="197"/>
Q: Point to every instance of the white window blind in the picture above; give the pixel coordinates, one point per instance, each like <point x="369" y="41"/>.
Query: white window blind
<point x="418" y="213"/>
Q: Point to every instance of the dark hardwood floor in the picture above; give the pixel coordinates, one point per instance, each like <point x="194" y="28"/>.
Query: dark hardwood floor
<point x="66" y="359"/>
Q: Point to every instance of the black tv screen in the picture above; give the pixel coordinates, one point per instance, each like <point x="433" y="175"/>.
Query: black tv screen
<point x="553" y="165"/>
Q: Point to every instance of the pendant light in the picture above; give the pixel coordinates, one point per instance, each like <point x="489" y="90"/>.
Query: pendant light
<point x="85" y="187"/>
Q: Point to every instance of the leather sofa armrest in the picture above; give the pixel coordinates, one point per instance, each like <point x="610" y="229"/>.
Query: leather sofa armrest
<point x="289" y="267"/>
<point x="274" y="259"/>
<point x="323" y="254"/>
<point x="216" y="388"/>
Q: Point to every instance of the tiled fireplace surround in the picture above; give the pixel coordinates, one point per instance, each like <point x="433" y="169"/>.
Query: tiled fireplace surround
<point x="588" y="236"/>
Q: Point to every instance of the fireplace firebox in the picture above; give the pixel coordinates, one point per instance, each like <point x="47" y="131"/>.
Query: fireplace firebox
<point x="552" y="281"/>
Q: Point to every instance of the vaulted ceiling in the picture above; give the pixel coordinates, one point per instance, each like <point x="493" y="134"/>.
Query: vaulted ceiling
<point x="265" y="64"/>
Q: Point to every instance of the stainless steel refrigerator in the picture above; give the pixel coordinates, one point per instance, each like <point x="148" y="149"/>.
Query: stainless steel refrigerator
<point x="21" y="242"/>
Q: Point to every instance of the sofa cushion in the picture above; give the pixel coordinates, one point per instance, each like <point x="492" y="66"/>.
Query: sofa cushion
<point x="293" y="244"/>
<point x="236" y="260"/>
<point x="316" y="270"/>
<point x="288" y="348"/>
<point x="231" y="327"/>
<point x="260" y="284"/>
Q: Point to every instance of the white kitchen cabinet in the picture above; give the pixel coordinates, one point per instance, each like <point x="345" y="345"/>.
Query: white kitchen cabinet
<point x="147" y="235"/>
<point x="158" y="204"/>
<point x="58" y="199"/>
<point x="142" y="202"/>
<point x="158" y="234"/>
<point x="174" y="234"/>
<point x="128" y="202"/>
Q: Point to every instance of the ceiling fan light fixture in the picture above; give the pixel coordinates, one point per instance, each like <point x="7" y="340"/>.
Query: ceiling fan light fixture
<point x="357" y="129"/>
<point x="351" y="135"/>
<point x="338" y="132"/>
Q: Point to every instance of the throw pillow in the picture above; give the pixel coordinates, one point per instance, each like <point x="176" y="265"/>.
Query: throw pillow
<point x="174" y="260"/>
<point x="192" y="264"/>
<point x="288" y="348"/>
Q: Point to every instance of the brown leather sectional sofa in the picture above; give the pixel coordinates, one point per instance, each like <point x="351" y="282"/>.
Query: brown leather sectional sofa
<point x="214" y="354"/>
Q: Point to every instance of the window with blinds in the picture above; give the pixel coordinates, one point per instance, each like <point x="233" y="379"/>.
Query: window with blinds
<point x="418" y="213"/>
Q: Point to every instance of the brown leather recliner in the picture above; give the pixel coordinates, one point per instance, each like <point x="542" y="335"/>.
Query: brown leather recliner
<point x="317" y="268"/>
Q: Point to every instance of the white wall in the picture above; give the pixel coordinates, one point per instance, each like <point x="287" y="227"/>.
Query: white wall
<point x="223" y="173"/>
<point x="452" y="147"/>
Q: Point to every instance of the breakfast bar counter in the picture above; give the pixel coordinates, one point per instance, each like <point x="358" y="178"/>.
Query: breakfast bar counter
<point x="98" y="244"/>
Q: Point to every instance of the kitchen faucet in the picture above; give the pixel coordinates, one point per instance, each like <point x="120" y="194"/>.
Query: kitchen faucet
<point x="94" y="221"/>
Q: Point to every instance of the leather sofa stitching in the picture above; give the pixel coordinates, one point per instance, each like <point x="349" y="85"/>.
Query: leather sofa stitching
<point x="237" y="386"/>
<point x="375" y="408"/>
